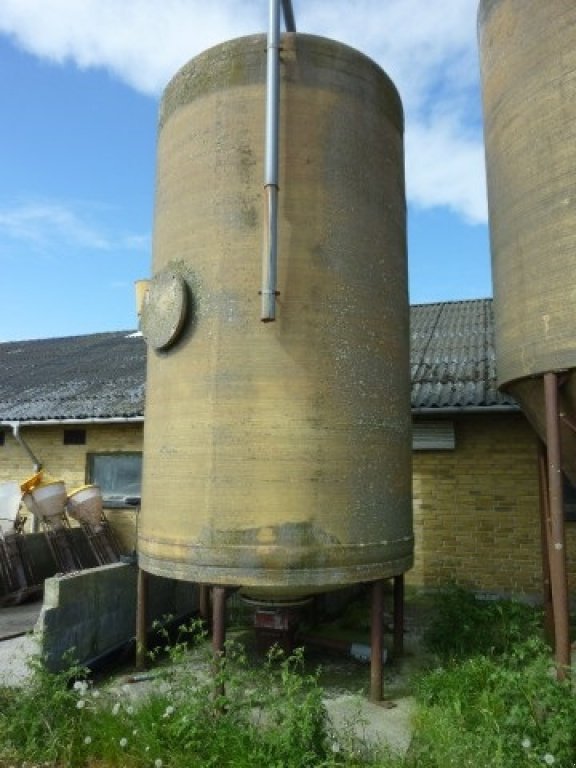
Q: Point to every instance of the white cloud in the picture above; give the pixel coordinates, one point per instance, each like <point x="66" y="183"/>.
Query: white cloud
<point x="428" y="48"/>
<point x="49" y="227"/>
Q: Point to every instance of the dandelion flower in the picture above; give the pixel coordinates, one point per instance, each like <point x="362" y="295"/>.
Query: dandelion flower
<point x="158" y="763"/>
<point x="88" y="740"/>
<point x="168" y="711"/>
<point x="549" y="759"/>
<point x="335" y="747"/>
<point x="116" y="708"/>
<point x="526" y="743"/>
<point x="130" y="710"/>
<point x="80" y="704"/>
<point x="96" y="694"/>
<point x="123" y="741"/>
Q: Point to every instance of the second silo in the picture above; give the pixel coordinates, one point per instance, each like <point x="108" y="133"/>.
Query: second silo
<point x="277" y="456"/>
<point x="528" y="62"/>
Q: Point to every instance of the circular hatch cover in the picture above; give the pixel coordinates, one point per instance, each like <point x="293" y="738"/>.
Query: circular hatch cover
<point x="164" y="309"/>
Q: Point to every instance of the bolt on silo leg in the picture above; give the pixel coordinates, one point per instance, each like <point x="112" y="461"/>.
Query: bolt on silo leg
<point x="376" y="644"/>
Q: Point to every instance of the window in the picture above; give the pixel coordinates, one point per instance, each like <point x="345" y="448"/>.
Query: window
<point x="74" y="437"/>
<point x="433" y="436"/>
<point x="2" y="437"/>
<point x="119" y="476"/>
<point x="569" y="493"/>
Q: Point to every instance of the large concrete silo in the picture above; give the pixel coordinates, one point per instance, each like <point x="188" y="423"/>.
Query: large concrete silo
<point x="528" y="63"/>
<point x="277" y="456"/>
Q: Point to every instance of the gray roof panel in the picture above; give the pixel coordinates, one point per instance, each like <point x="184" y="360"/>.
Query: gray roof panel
<point x="102" y="376"/>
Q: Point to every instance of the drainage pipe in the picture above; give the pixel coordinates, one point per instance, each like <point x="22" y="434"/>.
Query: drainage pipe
<point x="15" y="426"/>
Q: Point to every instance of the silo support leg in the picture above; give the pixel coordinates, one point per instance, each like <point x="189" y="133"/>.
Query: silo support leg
<point x="141" y="618"/>
<point x="399" y="615"/>
<point x="218" y="637"/>
<point x="204" y="601"/>
<point x="544" y="538"/>
<point x="556" y="536"/>
<point x="376" y="644"/>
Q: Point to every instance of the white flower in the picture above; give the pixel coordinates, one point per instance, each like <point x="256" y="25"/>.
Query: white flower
<point x="168" y="711"/>
<point x="80" y="704"/>
<point x="88" y="740"/>
<point x="96" y="694"/>
<point x="549" y="759"/>
<point x="116" y="708"/>
<point x="335" y="746"/>
<point x="130" y="710"/>
<point x="81" y="686"/>
<point x="123" y="741"/>
<point x="135" y="732"/>
<point x="158" y="763"/>
<point x="526" y="743"/>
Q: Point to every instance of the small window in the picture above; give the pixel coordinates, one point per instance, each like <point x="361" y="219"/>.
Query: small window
<point x="74" y="437"/>
<point x="433" y="436"/>
<point x="569" y="494"/>
<point x="119" y="476"/>
<point x="2" y="437"/>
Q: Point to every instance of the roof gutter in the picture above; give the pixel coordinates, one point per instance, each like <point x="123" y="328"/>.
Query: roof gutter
<point x="454" y="410"/>
<point x="69" y="422"/>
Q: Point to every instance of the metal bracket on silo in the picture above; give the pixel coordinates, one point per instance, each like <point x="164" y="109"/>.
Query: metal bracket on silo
<point x="268" y="291"/>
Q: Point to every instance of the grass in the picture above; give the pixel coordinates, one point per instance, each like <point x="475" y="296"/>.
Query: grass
<point x="488" y="700"/>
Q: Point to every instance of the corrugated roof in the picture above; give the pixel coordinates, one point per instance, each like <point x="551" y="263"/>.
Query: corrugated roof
<point x="452" y="356"/>
<point x="101" y="376"/>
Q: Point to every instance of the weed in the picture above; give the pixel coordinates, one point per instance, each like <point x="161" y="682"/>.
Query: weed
<point x="464" y="625"/>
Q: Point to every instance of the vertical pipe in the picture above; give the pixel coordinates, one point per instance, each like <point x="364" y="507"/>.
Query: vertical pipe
<point x="398" y="615"/>
<point x="376" y="632"/>
<point x="557" y="549"/>
<point x="270" y="250"/>
<point x="141" y="618"/>
<point x="545" y="541"/>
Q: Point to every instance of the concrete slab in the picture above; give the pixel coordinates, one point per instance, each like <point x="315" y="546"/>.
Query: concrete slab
<point x="15" y="656"/>
<point x="19" y="619"/>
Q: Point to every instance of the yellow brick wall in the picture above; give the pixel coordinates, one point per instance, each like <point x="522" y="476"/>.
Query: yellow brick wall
<point x="69" y="463"/>
<point x="476" y="511"/>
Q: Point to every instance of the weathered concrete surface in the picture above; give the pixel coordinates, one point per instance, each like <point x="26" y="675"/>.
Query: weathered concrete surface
<point x="93" y="612"/>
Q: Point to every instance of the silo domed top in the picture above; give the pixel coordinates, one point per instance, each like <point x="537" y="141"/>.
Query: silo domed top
<point x="316" y="55"/>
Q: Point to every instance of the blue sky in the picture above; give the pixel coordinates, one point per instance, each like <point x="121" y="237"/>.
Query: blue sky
<point x="80" y="82"/>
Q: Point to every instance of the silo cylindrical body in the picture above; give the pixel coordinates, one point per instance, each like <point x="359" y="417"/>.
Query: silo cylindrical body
<point x="528" y="64"/>
<point x="277" y="456"/>
<point x="528" y="67"/>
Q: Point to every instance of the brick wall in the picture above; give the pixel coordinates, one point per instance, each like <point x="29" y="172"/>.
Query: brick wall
<point x="476" y="512"/>
<point x="69" y="463"/>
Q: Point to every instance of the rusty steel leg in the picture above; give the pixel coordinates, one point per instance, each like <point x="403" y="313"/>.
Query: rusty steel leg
<point x="399" y="615"/>
<point x="204" y="601"/>
<point x="218" y="636"/>
<point x="141" y="619"/>
<point x="557" y="548"/>
<point x="545" y="541"/>
<point x="376" y="644"/>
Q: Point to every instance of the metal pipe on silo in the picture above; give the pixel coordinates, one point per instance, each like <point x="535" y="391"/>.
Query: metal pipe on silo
<point x="270" y="252"/>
